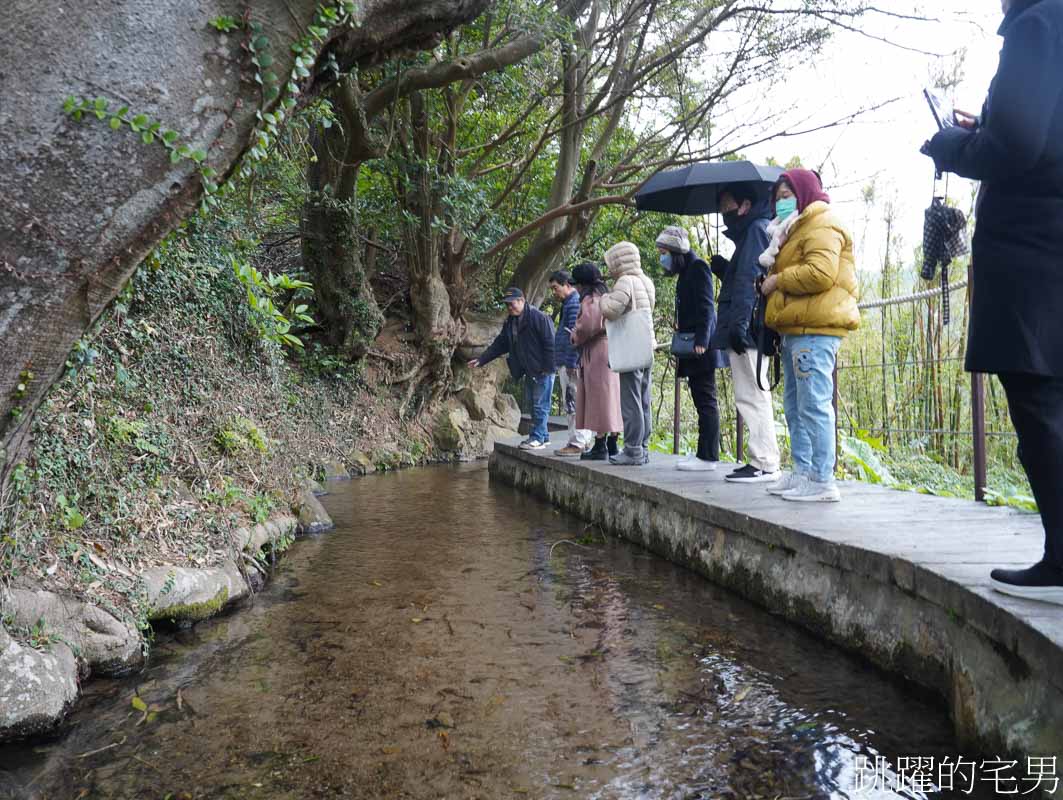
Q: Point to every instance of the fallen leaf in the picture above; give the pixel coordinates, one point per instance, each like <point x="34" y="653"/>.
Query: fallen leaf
<point x="139" y="704"/>
<point x="742" y="693"/>
<point x="416" y="620"/>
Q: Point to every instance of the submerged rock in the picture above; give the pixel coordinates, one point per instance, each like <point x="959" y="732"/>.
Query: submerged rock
<point x="313" y="518"/>
<point x="105" y="644"/>
<point x="451" y="424"/>
<point x="362" y="463"/>
<point x="182" y="594"/>
<point x="310" y="485"/>
<point x="336" y="471"/>
<point x="37" y="687"/>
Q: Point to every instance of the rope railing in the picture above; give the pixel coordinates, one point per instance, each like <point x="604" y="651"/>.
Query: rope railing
<point x="911" y="298"/>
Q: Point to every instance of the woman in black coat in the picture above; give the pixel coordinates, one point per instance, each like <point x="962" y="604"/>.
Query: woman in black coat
<point x="1016" y="149"/>
<point x="696" y="314"/>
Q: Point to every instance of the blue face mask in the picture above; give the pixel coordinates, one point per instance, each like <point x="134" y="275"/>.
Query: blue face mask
<point x="785" y="207"/>
<point x="666" y="261"/>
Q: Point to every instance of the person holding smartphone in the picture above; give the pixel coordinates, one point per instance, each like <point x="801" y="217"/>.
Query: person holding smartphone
<point x="1016" y="150"/>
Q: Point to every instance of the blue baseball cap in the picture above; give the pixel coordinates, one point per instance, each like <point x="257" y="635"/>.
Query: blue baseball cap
<point x="512" y="294"/>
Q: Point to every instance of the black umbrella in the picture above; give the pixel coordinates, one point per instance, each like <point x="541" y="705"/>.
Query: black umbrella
<point x="692" y="190"/>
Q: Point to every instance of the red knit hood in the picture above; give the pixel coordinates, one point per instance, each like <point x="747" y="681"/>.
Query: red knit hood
<point x="806" y="186"/>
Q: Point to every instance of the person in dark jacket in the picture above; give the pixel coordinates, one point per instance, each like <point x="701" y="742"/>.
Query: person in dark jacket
<point x="566" y="360"/>
<point x="527" y="338"/>
<point x="746" y="213"/>
<point x="1016" y="149"/>
<point x="695" y="313"/>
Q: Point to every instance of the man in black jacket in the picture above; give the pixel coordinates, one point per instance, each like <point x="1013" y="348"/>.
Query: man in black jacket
<point x="746" y="215"/>
<point x="1016" y="150"/>
<point x="527" y="338"/>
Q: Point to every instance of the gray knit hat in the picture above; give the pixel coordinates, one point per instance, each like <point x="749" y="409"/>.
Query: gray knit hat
<point x="675" y="239"/>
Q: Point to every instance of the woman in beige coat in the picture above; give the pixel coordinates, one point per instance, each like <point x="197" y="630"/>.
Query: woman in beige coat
<point x="633" y="290"/>
<point x="598" y="392"/>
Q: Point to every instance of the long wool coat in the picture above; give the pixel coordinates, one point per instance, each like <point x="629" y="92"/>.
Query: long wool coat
<point x="598" y="393"/>
<point x="1017" y="153"/>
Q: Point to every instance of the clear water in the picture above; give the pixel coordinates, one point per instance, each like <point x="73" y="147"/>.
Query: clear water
<point x="442" y="643"/>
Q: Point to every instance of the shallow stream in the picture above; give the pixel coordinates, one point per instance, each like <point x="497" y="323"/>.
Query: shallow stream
<point x="456" y="639"/>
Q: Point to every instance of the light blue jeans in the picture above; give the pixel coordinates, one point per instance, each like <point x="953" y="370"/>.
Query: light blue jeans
<point x="542" y="390"/>
<point x="808" y="370"/>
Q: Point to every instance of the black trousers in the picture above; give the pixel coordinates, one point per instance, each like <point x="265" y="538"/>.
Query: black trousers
<point x="703" y="392"/>
<point x="1036" y="406"/>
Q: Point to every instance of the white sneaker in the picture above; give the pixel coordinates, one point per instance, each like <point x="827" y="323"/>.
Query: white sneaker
<point x="789" y="481"/>
<point x="810" y="491"/>
<point x="696" y="464"/>
<point x="532" y="444"/>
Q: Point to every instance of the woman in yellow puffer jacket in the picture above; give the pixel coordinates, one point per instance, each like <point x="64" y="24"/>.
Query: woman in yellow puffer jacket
<point x="812" y="293"/>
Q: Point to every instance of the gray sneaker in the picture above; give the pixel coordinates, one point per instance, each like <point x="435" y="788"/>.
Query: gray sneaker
<point x="624" y="459"/>
<point x="789" y="481"/>
<point x="810" y="491"/>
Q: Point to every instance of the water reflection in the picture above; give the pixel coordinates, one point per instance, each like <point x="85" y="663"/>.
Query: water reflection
<point x="441" y="643"/>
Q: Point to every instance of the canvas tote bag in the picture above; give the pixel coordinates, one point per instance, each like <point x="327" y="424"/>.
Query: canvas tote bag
<point x="631" y="341"/>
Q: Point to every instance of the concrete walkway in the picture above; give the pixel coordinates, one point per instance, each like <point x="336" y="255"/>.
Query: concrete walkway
<point x="900" y="578"/>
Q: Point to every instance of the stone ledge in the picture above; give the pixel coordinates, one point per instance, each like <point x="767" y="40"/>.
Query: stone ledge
<point x="899" y="578"/>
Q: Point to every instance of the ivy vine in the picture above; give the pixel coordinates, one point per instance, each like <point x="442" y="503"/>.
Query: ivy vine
<point x="257" y="43"/>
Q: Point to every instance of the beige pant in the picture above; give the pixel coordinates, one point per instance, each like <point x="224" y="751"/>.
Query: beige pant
<point x="754" y="404"/>
<point x="569" y="382"/>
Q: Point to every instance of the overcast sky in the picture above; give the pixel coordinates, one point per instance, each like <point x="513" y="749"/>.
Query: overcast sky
<point x="855" y="72"/>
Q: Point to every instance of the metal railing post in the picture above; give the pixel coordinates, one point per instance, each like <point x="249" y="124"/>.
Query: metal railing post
<point x="834" y="402"/>
<point x="739" y="437"/>
<point x="675" y="414"/>
<point x="978" y="432"/>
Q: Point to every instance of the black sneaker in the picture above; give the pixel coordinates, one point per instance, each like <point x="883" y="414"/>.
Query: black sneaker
<point x="1042" y="581"/>
<point x="750" y="474"/>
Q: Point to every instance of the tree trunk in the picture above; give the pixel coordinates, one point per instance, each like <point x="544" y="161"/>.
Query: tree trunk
<point x="84" y="204"/>
<point x="331" y="251"/>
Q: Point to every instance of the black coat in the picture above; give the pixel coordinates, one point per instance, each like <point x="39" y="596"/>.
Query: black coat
<point x="738" y="294"/>
<point x="528" y="340"/>
<point x="696" y="313"/>
<point x="1017" y="152"/>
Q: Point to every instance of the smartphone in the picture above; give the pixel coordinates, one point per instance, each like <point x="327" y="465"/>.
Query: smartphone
<point x="943" y="115"/>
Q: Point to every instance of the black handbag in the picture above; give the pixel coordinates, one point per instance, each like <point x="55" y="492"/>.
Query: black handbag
<point x="683" y="345"/>
<point x="769" y="343"/>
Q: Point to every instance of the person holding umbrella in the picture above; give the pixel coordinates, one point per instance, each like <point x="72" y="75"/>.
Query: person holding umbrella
<point x="695" y="314"/>
<point x="746" y="213"/>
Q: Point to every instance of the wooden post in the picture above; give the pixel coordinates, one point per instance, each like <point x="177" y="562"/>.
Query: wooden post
<point x="837" y="437"/>
<point x="675" y="414"/>
<point x="978" y="430"/>
<point x="739" y="437"/>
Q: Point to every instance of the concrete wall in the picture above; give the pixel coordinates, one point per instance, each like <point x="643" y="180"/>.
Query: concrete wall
<point x="999" y="675"/>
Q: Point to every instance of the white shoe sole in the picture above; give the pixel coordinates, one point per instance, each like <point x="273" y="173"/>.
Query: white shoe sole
<point x="770" y="477"/>
<point x="1045" y="594"/>
<point x="822" y="497"/>
<point x="696" y="466"/>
